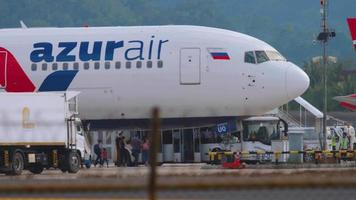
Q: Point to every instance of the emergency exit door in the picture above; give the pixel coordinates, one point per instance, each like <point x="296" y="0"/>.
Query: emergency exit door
<point x="3" y="61"/>
<point x="190" y="66"/>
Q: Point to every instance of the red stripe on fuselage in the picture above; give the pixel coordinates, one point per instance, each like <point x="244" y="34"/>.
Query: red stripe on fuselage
<point x="221" y="57"/>
<point x="16" y="79"/>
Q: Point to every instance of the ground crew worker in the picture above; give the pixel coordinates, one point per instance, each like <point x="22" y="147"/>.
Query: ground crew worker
<point x="333" y="142"/>
<point x="344" y="142"/>
<point x="351" y="135"/>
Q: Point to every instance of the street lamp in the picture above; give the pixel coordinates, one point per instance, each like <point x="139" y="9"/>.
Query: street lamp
<point x="324" y="36"/>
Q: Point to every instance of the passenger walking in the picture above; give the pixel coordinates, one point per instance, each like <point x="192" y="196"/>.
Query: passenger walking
<point x="122" y="150"/>
<point x="97" y="151"/>
<point x="136" y="144"/>
<point x="118" y="157"/>
<point x="104" y="155"/>
<point x="145" y="151"/>
<point x="117" y="145"/>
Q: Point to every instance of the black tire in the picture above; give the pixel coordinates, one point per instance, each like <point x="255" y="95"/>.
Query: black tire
<point x="63" y="162"/>
<point x="63" y="169"/>
<point x="17" y="164"/>
<point x="74" y="161"/>
<point x="37" y="169"/>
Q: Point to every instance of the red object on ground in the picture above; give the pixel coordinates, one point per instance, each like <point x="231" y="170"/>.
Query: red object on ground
<point x="233" y="165"/>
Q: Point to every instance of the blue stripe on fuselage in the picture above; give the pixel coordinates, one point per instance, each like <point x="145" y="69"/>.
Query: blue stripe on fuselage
<point x="58" y="81"/>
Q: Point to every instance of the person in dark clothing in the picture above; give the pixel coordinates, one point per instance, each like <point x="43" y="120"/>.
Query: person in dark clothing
<point x="122" y="150"/>
<point x="97" y="151"/>
<point x="136" y="144"/>
<point x="118" y="157"/>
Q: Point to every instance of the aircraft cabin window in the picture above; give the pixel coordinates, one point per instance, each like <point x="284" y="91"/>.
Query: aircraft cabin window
<point x="138" y="64"/>
<point x="76" y="66"/>
<point x="107" y="65"/>
<point x="55" y="66"/>
<point x="128" y="65"/>
<point x="96" y="65"/>
<point x="33" y="67"/>
<point x="160" y="64"/>
<point x="250" y="57"/>
<point x="261" y="56"/>
<point x="65" y="66"/>
<point x="44" y="66"/>
<point x="118" y="65"/>
<point x="149" y="64"/>
<point x="86" y="65"/>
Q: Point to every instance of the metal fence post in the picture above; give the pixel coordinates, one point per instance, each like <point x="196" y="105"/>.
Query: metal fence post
<point x="152" y="183"/>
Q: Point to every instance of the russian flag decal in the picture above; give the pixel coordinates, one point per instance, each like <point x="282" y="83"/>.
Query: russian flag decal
<point x="220" y="55"/>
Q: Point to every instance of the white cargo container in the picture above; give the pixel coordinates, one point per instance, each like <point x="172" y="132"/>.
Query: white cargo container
<point x="40" y="130"/>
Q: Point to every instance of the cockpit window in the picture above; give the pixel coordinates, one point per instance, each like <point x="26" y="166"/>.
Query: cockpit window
<point x="250" y="57"/>
<point x="261" y="56"/>
<point x="274" y="55"/>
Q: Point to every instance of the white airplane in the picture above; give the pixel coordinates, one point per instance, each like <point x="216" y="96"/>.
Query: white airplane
<point x="122" y="72"/>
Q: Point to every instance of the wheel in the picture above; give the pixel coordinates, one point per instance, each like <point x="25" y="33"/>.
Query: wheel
<point x="36" y="169"/>
<point x="64" y="170"/>
<point x="63" y="163"/>
<point x="17" y="164"/>
<point x="73" y="162"/>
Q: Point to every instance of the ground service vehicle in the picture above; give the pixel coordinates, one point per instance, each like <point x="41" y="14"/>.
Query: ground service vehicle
<point x="260" y="133"/>
<point x="40" y="130"/>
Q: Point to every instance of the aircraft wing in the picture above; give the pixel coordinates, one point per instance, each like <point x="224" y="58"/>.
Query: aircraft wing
<point x="348" y="101"/>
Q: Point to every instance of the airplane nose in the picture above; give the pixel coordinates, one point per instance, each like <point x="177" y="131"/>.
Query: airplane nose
<point x="297" y="81"/>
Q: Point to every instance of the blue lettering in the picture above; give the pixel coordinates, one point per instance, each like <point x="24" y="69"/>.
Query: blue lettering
<point x="150" y="49"/>
<point x="64" y="56"/>
<point x="110" y="49"/>
<point x="84" y="55"/>
<point x="42" y="53"/>
<point x="138" y="50"/>
<point x="161" y="42"/>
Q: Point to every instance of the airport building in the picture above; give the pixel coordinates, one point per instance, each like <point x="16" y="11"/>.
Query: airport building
<point x="188" y="144"/>
<point x="191" y="143"/>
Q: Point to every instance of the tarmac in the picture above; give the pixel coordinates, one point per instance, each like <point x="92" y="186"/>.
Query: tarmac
<point x="186" y="181"/>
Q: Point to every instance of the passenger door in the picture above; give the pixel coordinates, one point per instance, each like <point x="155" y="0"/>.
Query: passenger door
<point x="190" y="66"/>
<point x="188" y="145"/>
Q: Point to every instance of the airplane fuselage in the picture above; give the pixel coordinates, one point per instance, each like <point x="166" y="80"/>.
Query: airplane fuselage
<point x="122" y="72"/>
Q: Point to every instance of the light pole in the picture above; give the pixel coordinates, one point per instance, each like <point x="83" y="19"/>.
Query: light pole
<point x="324" y="37"/>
